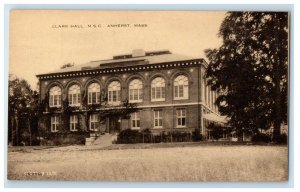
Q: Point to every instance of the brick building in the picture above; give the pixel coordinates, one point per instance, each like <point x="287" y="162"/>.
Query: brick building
<point x="170" y="91"/>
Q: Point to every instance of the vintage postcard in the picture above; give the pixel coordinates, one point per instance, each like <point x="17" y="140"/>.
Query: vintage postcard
<point x="164" y="96"/>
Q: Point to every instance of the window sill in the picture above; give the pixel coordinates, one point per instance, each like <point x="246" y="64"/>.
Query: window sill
<point x="180" y="98"/>
<point x="135" y="101"/>
<point x="135" y="128"/>
<point x="93" y="103"/>
<point x="74" y="105"/>
<point x="180" y="127"/>
<point x="153" y="100"/>
<point x="55" y="106"/>
<point x="157" y="127"/>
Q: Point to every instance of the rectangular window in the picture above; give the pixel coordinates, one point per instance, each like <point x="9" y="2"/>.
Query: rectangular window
<point x="114" y="97"/>
<point x="158" y="119"/>
<point x="158" y="94"/>
<point x="74" y="99"/>
<point x="181" y="117"/>
<point x="135" y="95"/>
<point x="94" y="121"/>
<point x="73" y="122"/>
<point x="181" y="92"/>
<point x="55" y="122"/>
<point x="93" y="97"/>
<point x="135" y="120"/>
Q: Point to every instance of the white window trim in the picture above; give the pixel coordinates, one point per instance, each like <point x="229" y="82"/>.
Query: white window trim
<point x="138" y="88"/>
<point x="185" y="93"/>
<point x="90" y="101"/>
<point x="94" y="121"/>
<point x="159" y="117"/>
<point x="139" y="100"/>
<point x="177" y="117"/>
<point x="158" y="99"/>
<point x="163" y="87"/>
<point x="185" y="87"/>
<point x="74" y="91"/>
<point x="58" y="99"/>
<point x="73" y="103"/>
<point x="135" y="119"/>
<point x="72" y="122"/>
<point x="110" y="97"/>
<point x="56" y="123"/>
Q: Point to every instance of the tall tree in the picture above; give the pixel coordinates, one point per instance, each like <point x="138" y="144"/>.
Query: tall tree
<point x="22" y="110"/>
<point x="250" y="70"/>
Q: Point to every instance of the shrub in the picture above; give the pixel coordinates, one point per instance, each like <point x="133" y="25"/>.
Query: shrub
<point x="181" y="136"/>
<point x="280" y="139"/>
<point x="216" y="130"/>
<point x="65" y="138"/>
<point x="197" y="136"/>
<point x="261" y="137"/>
<point x="129" y="136"/>
<point x="146" y="136"/>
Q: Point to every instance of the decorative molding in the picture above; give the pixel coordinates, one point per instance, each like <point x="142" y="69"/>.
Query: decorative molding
<point x="197" y="62"/>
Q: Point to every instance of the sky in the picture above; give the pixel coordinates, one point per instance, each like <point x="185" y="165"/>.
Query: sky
<point x="42" y="41"/>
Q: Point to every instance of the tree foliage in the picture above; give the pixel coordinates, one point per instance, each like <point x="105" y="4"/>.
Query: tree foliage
<point x="22" y="112"/>
<point x="250" y="69"/>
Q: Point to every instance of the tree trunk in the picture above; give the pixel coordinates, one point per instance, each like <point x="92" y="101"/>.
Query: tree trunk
<point x="17" y="130"/>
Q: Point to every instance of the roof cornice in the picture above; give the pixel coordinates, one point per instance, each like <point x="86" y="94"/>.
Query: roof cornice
<point x="126" y="69"/>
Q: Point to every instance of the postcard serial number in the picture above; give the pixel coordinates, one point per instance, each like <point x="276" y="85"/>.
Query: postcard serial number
<point x="40" y="173"/>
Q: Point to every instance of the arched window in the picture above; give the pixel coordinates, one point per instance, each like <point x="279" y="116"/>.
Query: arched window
<point x="158" y="89"/>
<point x="74" y="95"/>
<point x="55" y="97"/>
<point x="135" y="91"/>
<point x="181" y="87"/>
<point x="94" y="93"/>
<point x="114" y="93"/>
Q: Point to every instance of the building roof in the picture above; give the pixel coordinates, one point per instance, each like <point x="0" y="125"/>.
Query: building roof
<point x="138" y="57"/>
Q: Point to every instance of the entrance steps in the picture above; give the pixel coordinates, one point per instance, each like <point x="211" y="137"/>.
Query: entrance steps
<point x="104" y="140"/>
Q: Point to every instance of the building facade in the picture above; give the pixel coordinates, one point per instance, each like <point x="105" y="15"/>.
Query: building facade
<point x="170" y="92"/>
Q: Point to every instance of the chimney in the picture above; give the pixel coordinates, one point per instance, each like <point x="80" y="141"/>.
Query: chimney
<point x="138" y="53"/>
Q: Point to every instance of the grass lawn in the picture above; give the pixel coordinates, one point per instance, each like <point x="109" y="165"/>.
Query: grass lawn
<point x="188" y="163"/>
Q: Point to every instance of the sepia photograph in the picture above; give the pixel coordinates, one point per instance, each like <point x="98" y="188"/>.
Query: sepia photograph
<point x="148" y="96"/>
